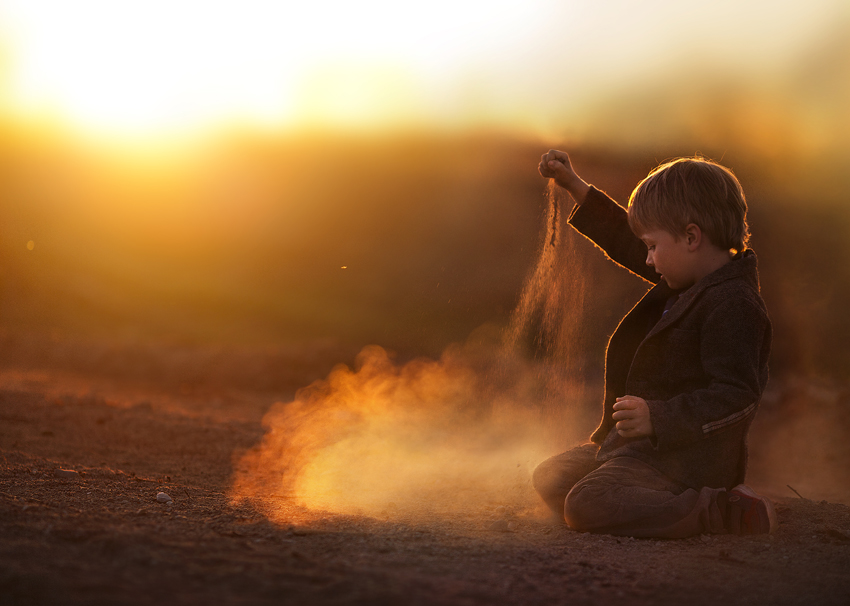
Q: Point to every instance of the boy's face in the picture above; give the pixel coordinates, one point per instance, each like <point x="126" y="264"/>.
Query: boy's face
<point x="669" y="256"/>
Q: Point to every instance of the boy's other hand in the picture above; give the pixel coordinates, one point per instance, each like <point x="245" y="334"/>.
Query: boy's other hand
<point x="556" y="165"/>
<point x="632" y="416"/>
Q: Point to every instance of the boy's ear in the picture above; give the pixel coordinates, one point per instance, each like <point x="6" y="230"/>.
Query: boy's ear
<point x="693" y="236"/>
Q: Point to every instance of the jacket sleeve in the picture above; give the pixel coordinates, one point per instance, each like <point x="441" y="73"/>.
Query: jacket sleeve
<point x="734" y="343"/>
<point x="606" y="223"/>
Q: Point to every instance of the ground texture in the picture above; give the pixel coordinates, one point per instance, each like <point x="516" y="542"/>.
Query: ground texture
<point x="80" y="523"/>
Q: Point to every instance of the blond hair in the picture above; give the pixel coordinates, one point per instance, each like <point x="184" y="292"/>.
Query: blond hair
<point x="692" y="190"/>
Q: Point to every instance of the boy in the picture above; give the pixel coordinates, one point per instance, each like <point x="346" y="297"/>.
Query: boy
<point x="684" y="370"/>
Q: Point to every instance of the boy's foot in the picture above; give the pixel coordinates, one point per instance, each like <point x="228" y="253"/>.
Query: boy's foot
<point x="748" y="512"/>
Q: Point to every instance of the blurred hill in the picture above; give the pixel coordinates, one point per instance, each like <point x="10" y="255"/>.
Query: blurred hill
<point x="277" y="247"/>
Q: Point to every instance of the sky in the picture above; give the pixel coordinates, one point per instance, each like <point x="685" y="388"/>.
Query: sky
<point x="123" y="68"/>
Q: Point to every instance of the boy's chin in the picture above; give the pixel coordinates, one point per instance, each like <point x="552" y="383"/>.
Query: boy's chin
<point x="675" y="285"/>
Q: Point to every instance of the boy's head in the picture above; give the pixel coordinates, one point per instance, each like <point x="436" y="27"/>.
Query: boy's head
<point x="692" y="190"/>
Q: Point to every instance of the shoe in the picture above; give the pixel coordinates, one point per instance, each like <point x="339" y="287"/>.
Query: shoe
<point x="747" y="512"/>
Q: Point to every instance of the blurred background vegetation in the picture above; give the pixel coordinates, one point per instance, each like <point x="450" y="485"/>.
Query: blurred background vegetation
<point x="401" y="205"/>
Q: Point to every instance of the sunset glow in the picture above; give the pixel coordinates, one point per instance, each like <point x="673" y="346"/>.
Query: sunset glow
<point x="129" y="67"/>
<point x="166" y="67"/>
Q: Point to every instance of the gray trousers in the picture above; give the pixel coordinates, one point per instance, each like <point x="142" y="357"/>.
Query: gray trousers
<point x="624" y="496"/>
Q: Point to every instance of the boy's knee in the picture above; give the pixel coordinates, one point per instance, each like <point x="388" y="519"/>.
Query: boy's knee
<point x="574" y="508"/>
<point x="586" y="508"/>
<point x="545" y="478"/>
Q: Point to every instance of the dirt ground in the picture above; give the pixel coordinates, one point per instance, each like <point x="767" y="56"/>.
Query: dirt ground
<point x="82" y="461"/>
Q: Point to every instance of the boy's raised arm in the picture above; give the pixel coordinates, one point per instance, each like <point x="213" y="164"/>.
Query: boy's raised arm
<point x="603" y="221"/>
<point x="556" y="165"/>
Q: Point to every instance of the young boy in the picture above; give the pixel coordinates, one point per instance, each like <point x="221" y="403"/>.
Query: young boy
<point x="684" y="370"/>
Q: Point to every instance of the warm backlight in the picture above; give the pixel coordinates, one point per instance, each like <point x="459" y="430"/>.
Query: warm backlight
<point x="133" y="67"/>
<point x="171" y="66"/>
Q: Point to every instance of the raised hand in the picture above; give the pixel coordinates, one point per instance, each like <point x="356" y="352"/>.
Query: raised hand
<point x="556" y="165"/>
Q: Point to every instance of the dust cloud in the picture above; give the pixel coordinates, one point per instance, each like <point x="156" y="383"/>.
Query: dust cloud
<point x="435" y="437"/>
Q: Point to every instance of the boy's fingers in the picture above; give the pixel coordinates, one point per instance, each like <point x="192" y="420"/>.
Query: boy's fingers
<point x="632" y="431"/>
<point x="556" y="167"/>
<point x="624" y="428"/>
<point x="555" y="154"/>
<point x="552" y="172"/>
<point x="554" y="164"/>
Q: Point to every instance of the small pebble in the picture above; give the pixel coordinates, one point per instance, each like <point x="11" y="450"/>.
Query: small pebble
<point x="512" y="526"/>
<point x="67" y="474"/>
<point x="499" y="526"/>
<point x="163" y="497"/>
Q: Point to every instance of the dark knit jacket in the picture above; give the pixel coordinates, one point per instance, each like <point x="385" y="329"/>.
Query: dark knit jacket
<point x="701" y="368"/>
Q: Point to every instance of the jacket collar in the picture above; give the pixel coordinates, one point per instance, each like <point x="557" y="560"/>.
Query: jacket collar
<point x="743" y="266"/>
